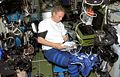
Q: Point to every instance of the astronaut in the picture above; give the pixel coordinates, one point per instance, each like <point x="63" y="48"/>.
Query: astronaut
<point x="52" y="35"/>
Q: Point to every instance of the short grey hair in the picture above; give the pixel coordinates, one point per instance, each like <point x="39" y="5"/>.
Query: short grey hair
<point x="57" y="9"/>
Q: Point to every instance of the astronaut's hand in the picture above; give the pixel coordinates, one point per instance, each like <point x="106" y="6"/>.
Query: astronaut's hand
<point x="59" y="46"/>
<point x="69" y="46"/>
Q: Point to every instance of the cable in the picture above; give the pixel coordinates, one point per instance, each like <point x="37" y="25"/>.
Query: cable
<point x="77" y="33"/>
<point x="81" y="17"/>
<point x="105" y="18"/>
<point x="106" y="10"/>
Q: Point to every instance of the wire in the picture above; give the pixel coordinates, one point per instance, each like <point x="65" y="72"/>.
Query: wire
<point x="105" y="18"/>
<point x="81" y="17"/>
<point x="77" y="33"/>
<point x="77" y="26"/>
<point x="106" y="10"/>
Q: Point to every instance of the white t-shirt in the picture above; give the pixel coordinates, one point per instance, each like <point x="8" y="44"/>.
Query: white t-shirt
<point x="55" y="31"/>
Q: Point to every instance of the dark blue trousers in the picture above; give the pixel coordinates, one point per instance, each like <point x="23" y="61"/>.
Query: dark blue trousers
<point x="61" y="58"/>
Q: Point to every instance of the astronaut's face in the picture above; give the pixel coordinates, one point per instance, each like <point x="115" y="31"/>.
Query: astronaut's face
<point x="57" y="16"/>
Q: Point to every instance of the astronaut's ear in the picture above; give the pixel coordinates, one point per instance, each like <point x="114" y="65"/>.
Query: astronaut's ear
<point x="53" y="13"/>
